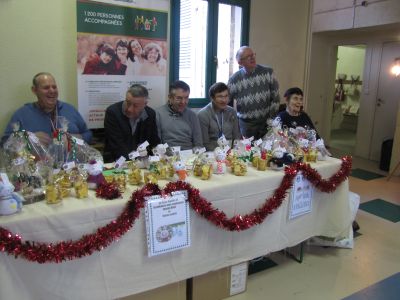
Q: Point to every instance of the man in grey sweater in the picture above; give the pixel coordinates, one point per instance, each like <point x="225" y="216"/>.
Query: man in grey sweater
<point x="177" y="125"/>
<point x="217" y="119"/>
<point x="254" y="91"/>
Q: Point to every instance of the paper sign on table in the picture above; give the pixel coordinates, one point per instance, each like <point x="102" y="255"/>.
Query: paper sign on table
<point x="167" y="223"/>
<point x="300" y="197"/>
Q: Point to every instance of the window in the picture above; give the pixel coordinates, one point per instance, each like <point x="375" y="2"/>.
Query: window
<point x="205" y="37"/>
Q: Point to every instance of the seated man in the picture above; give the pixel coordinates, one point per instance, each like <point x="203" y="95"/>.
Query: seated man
<point x="217" y="119"/>
<point x="178" y="125"/>
<point x="42" y="116"/>
<point x="129" y="123"/>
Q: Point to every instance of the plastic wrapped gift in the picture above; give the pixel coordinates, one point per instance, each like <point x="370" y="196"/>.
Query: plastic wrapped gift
<point x="81" y="188"/>
<point x="53" y="195"/>
<point x="310" y="155"/>
<point x="120" y="180"/>
<point x="323" y="153"/>
<point x="203" y="163"/>
<point x="135" y="177"/>
<point x="53" y="190"/>
<point x="203" y="170"/>
<point x="150" y="177"/>
<point x="262" y="164"/>
<point x="79" y="178"/>
<point x="67" y="148"/>
<point x="109" y="178"/>
<point x="58" y="149"/>
<point x="197" y="168"/>
<point x="219" y="165"/>
<point x="23" y="143"/>
<point x="140" y="155"/>
<point x="154" y="164"/>
<point x="25" y="176"/>
<point x="206" y="171"/>
<point x="134" y="174"/>
<point x="243" y="149"/>
<point x="231" y="156"/>
<point x="255" y="156"/>
<point x="161" y="151"/>
<point x="163" y="171"/>
<point x="81" y="153"/>
<point x="239" y="168"/>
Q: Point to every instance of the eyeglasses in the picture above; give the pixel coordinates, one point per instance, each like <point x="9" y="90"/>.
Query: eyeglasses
<point x="221" y="97"/>
<point x="248" y="57"/>
<point x="180" y="98"/>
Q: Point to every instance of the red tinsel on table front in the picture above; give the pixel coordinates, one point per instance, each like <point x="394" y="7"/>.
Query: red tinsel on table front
<point x="12" y="244"/>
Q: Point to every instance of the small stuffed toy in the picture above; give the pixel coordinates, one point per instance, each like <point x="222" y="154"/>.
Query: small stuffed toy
<point x="95" y="171"/>
<point x="280" y="157"/>
<point x="10" y="202"/>
<point x="219" y="165"/>
<point x="180" y="171"/>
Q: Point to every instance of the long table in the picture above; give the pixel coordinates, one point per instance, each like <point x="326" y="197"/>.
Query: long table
<point x="124" y="268"/>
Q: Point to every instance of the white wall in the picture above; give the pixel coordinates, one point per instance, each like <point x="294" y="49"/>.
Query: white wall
<point x="278" y="33"/>
<point x="350" y="61"/>
<point x="41" y="36"/>
<point x="36" y="36"/>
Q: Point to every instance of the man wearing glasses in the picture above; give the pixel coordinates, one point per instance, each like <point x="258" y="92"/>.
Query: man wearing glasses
<point x="177" y="125"/>
<point x="129" y="123"/>
<point x="254" y="91"/>
<point x="217" y="119"/>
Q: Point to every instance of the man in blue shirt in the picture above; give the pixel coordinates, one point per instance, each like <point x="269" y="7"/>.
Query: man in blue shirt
<point x="42" y="117"/>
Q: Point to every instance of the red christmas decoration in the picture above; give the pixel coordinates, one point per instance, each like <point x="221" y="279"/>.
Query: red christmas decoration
<point x="108" y="191"/>
<point x="12" y="244"/>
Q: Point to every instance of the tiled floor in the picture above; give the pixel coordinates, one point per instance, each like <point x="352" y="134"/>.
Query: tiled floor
<point x="333" y="273"/>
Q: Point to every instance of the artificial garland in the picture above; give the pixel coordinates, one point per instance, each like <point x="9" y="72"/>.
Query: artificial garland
<point x="12" y="244"/>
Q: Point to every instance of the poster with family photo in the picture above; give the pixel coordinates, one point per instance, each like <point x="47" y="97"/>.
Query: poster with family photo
<point x="120" y="44"/>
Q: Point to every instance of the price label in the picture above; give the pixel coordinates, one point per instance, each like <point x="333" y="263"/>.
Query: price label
<point x="133" y="155"/>
<point x="120" y="162"/>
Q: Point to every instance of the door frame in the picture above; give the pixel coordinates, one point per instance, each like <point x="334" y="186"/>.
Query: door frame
<point x="321" y="78"/>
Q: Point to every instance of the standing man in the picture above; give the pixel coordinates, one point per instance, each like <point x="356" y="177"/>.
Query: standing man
<point x="178" y="125"/>
<point x="42" y="117"/>
<point x="129" y="123"/>
<point x="254" y="91"/>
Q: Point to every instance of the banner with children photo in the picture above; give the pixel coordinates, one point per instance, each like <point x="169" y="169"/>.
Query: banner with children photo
<point x="120" y="43"/>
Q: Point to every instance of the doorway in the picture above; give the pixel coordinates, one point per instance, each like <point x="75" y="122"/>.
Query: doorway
<point x="347" y="97"/>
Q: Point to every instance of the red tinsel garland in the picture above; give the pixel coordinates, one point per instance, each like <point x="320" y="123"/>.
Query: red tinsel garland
<point x="12" y="244"/>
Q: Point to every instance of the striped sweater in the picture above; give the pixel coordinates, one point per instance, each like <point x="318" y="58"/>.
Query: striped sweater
<point x="256" y="94"/>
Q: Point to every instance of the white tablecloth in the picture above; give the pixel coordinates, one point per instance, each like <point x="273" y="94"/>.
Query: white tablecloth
<point x="124" y="268"/>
